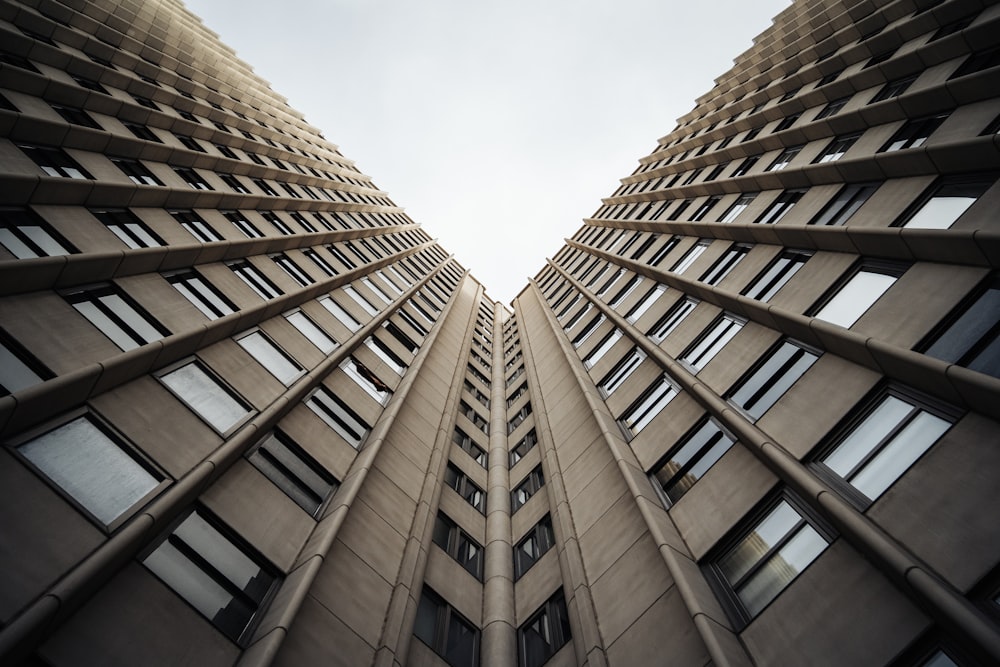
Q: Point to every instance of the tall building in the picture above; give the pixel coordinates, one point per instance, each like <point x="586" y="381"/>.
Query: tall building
<point x="253" y="414"/>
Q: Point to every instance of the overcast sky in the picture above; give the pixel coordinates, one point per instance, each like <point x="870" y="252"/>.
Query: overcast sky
<point x="498" y="126"/>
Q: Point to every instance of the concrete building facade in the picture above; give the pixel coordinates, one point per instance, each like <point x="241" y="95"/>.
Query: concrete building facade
<point x="254" y="414"/>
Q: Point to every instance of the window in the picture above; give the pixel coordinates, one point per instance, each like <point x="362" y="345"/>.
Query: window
<point x="464" y="487"/>
<point x="893" y="89"/>
<point x="518" y="418"/>
<point x="365" y="304"/>
<point x="255" y="280"/>
<point x="449" y="634"/>
<point x="276" y="221"/>
<point x="190" y="143"/>
<point x="738" y="207"/>
<point x="672" y="319"/>
<point x="94" y="467"/>
<point x="972" y="335"/>
<point x="201" y="294"/>
<point x="833" y="108"/>
<point x="712" y="341"/>
<point x="462" y="439"/>
<point x="638" y="415"/>
<point x="836" y="149"/>
<point x="140" y="131"/>
<point x="293" y="471"/>
<point x="744" y="167"/>
<point x="622" y="371"/>
<point x="116" y="315"/>
<point x="192" y="178"/>
<point x="55" y="162"/>
<point x="690" y="459"/>
<point x="241" y="223"/>
<point x="383" y="352"/>
<point x="544" y="633"/>
<point x="132" y="231"/>
<point x="625" y="291"/>
<point x="338" y="311"/>
<point x="725" y="264"/>
<point x="234" y="183"/>
<point x="533" y="546"/>
<point x="765" y="557"/>
<point x="267" y="354"/>
<point x="311" y="330"/>
<point x="338" y="416"/>
<point x="206" y="396"/>
<point x="784" y="158"/>
<point x="786" y="122"/>
<point x="690" y="256"/>
<point x="215" y="572"/>
<point x="136" y="171"/>
<point x="293" y="270"/>
<point x="647" y="302"/>
<point x="913" y="134"/>
<point x="780" y="207"/>
<point x="76" y="116"/>
<point x="18" y="370"/>
<point x="774" y="277"/>
<point x="365" y="378"/>
<point x="945" y="202"/>
<point x="528" y="487"/>
<point x="845" y="204"/>
<point x="977" y="62"/>
<point x="323" y="265"/>
<point x="588" y="329"/>
<point x="457" y="544"/>
<point x="523" y="446"/>
<point x="882" y="442"/>
<point x="25" y="235"/>
<point x="198" y="228"/>
<point x="851" y="298"/>
<point x="705" y="207"/>
<point x="772" y="377"/>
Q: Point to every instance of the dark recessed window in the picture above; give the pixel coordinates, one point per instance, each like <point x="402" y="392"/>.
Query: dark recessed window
<point x="241" y="223"/>
<point x="202" y="295"/>
<point x="192" y="178"/>
<point x="456" y="543"/>
<point x="136" y="171"/>
<point x="523" y="446"/>
<point x="338" y="416"/>
<point x="466" y="443"/>
<point x="649" y="404"/>
<point x="690" y="459"/>
<point x="190" y="143"/>
<point x="76" y="116"/>
<point x="465" y="487"/>
<point x="198" y="228"/>
<point x="780" y="207"/>
<point x="544" y="633"/>
<point x="527" y="488"/>
<point x="725" y="264"/>
<point x="533" y="546"/>
<point x="216" y="572"/>
<point x="25" y="235"/>
<point x="893" y="89"/>
<point x="970" y="336"/>
<point x="833" y="108"/>
<point x="745" y="166"/>
<point x="141" y="132"/>
<point x="913" y="134"/>
<point x="977" y="62"/>
<point x="774" y="277"/>
<point x="446" y="631"/>
<point x="784" y="158"/>
<point x="711" y="341"/>
<point x="235" y="184"/>
<point x="255" y="280"/>
<point x="294" y="271"/>
<point x="116" y="315"/>
<point x="845" y="204"/>
<point x="777" y="371"/>
<point x="55" y="162"/>
<point x="294" y="471"/>
<point x="836" y="148"/>
<point x="124" y="224"/>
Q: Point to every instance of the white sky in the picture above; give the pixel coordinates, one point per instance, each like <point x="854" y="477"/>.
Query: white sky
<point x="498" y="126"/>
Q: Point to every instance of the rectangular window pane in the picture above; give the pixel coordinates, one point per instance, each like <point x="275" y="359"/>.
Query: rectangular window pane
<point x="90" y="466"/>
<point x="855" y="297"/>
<point x="270" y="357"/>
<point x="206" y="396"/>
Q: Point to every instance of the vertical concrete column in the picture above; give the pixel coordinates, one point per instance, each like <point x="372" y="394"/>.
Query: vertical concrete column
<point x="499" y="629"/>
